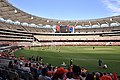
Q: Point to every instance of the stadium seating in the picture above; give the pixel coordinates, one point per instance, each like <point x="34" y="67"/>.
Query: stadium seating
<point x="19" y="29"/>
<point x="19" y="26"/>
<point x="20" y="74"/>
<point x="97" y="30"/>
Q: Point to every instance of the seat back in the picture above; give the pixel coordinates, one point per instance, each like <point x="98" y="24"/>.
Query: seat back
<point x="5" y="74"/>
<point x="13" y="76"/>
<point x="28" y="76"/>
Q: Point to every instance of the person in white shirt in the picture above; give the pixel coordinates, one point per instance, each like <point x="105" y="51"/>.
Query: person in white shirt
<point x="26" y="68"/>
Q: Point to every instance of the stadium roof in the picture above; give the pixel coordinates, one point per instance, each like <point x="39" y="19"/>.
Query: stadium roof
<point x="8" y="11"/>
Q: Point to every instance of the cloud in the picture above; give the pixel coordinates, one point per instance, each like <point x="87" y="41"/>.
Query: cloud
<point x="113" y="5"/>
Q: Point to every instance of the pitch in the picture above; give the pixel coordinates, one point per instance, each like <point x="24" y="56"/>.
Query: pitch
<point x="84" y="56"/>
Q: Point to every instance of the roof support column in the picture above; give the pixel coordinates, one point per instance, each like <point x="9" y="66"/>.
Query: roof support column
<point x="99" y="24"/>
<point x="117" y="23"/>
<point x="90" y="24"/>
<point x="107" y="23"/>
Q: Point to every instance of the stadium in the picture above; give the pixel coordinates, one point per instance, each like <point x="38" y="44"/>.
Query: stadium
<point x="50" y="43"/>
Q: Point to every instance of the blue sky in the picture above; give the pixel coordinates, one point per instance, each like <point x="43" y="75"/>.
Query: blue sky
<point x="69" y="9"/>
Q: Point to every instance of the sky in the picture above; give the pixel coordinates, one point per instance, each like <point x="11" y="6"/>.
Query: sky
<point x="69" y="9"/>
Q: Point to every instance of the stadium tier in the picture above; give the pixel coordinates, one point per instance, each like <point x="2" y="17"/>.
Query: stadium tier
<point x="17" y="25"/>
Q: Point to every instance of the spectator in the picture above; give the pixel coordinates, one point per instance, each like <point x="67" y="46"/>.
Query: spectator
<point x="105" y="77"/>
<point x="83" y="76"/>
<point x="16" y="65"/>
<point x="97" y="76"/>
<point x="90" y="77"/>
<point x="10" y="65"/>
<point x="83" y="70"/>
<point x="26" y="68"/>
<point x="33" y="70"/>
<point x="115" y="76"/>
<point x="76" y="72"/>
<point x="69" y="76"/>
<point x="59" y="75"/>
<point x="44" y="75"/>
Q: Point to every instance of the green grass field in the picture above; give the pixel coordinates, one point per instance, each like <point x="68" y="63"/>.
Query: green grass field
<point x="84" y="56"/>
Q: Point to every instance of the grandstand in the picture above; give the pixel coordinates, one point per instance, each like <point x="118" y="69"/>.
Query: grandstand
<point x="19" y="29"/>
<point x="26" y="27"/>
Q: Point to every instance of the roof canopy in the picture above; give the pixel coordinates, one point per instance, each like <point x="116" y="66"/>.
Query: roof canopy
<point x="8" y="11"/>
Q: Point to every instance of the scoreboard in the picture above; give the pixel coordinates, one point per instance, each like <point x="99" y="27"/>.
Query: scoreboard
<point x="64" y="29"/>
